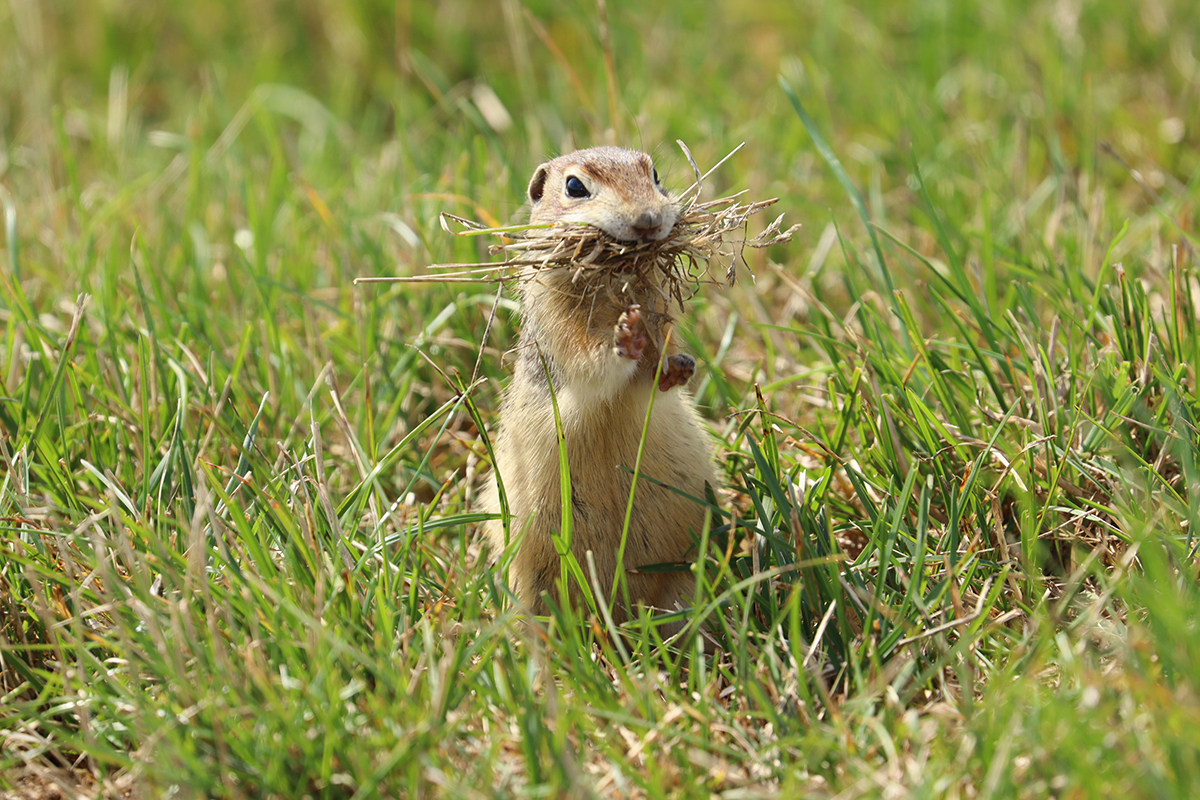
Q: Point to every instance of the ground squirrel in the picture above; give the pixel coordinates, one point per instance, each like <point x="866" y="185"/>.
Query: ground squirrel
<point x="601" y="348"/>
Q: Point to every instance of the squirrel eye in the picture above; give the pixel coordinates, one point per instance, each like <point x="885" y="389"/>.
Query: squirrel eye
<point x="655" y="171"/>
<point x="575" y="188"/>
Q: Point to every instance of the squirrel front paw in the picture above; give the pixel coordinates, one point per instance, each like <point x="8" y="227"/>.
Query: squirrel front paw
<point x="677" y="370"/>
<point x="631" y="338"/>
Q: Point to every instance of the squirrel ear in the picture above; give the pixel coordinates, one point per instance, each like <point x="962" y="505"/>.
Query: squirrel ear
<point x="537" y="184"/>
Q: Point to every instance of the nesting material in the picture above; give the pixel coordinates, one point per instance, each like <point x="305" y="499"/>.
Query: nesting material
<point x="705" y="235"/>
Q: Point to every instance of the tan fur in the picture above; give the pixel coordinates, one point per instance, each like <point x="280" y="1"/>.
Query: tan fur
<point x="571" y="329"/>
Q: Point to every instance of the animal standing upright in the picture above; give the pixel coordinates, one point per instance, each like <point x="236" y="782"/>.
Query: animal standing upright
<point x="597" y="338"/>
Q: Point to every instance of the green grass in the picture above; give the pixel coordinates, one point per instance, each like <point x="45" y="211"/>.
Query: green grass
<point x="954" y="552"/>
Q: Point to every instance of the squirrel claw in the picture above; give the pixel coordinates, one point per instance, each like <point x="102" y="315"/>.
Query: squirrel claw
<point x="677" y="370"/>
<point x="631" y="338"/>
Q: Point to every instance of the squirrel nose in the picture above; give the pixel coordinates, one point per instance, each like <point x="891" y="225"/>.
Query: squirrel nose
<point x="647" y="224"/>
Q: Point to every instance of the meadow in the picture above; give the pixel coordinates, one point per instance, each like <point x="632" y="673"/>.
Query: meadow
<point x="953" y="552"/>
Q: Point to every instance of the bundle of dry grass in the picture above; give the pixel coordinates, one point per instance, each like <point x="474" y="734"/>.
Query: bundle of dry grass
<point x="705" y="234"/>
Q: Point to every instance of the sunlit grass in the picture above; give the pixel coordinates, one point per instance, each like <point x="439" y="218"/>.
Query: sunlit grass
<point x="954" y="549"/>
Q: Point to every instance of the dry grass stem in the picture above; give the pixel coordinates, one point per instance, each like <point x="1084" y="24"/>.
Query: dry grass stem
<point x="708" y="233"/>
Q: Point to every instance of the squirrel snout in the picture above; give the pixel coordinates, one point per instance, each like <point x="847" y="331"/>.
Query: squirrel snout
<point x="649" y="226"/>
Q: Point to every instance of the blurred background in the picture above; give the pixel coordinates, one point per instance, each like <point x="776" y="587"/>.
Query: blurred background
<point x="254" y="158"/>
<point x="421" y="95"/>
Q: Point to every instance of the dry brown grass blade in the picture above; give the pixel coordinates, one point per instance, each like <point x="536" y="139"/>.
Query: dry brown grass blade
<point x="708" y="233"/>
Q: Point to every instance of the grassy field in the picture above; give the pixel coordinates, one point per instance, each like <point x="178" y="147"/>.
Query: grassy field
<point x="954" y="551"/>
